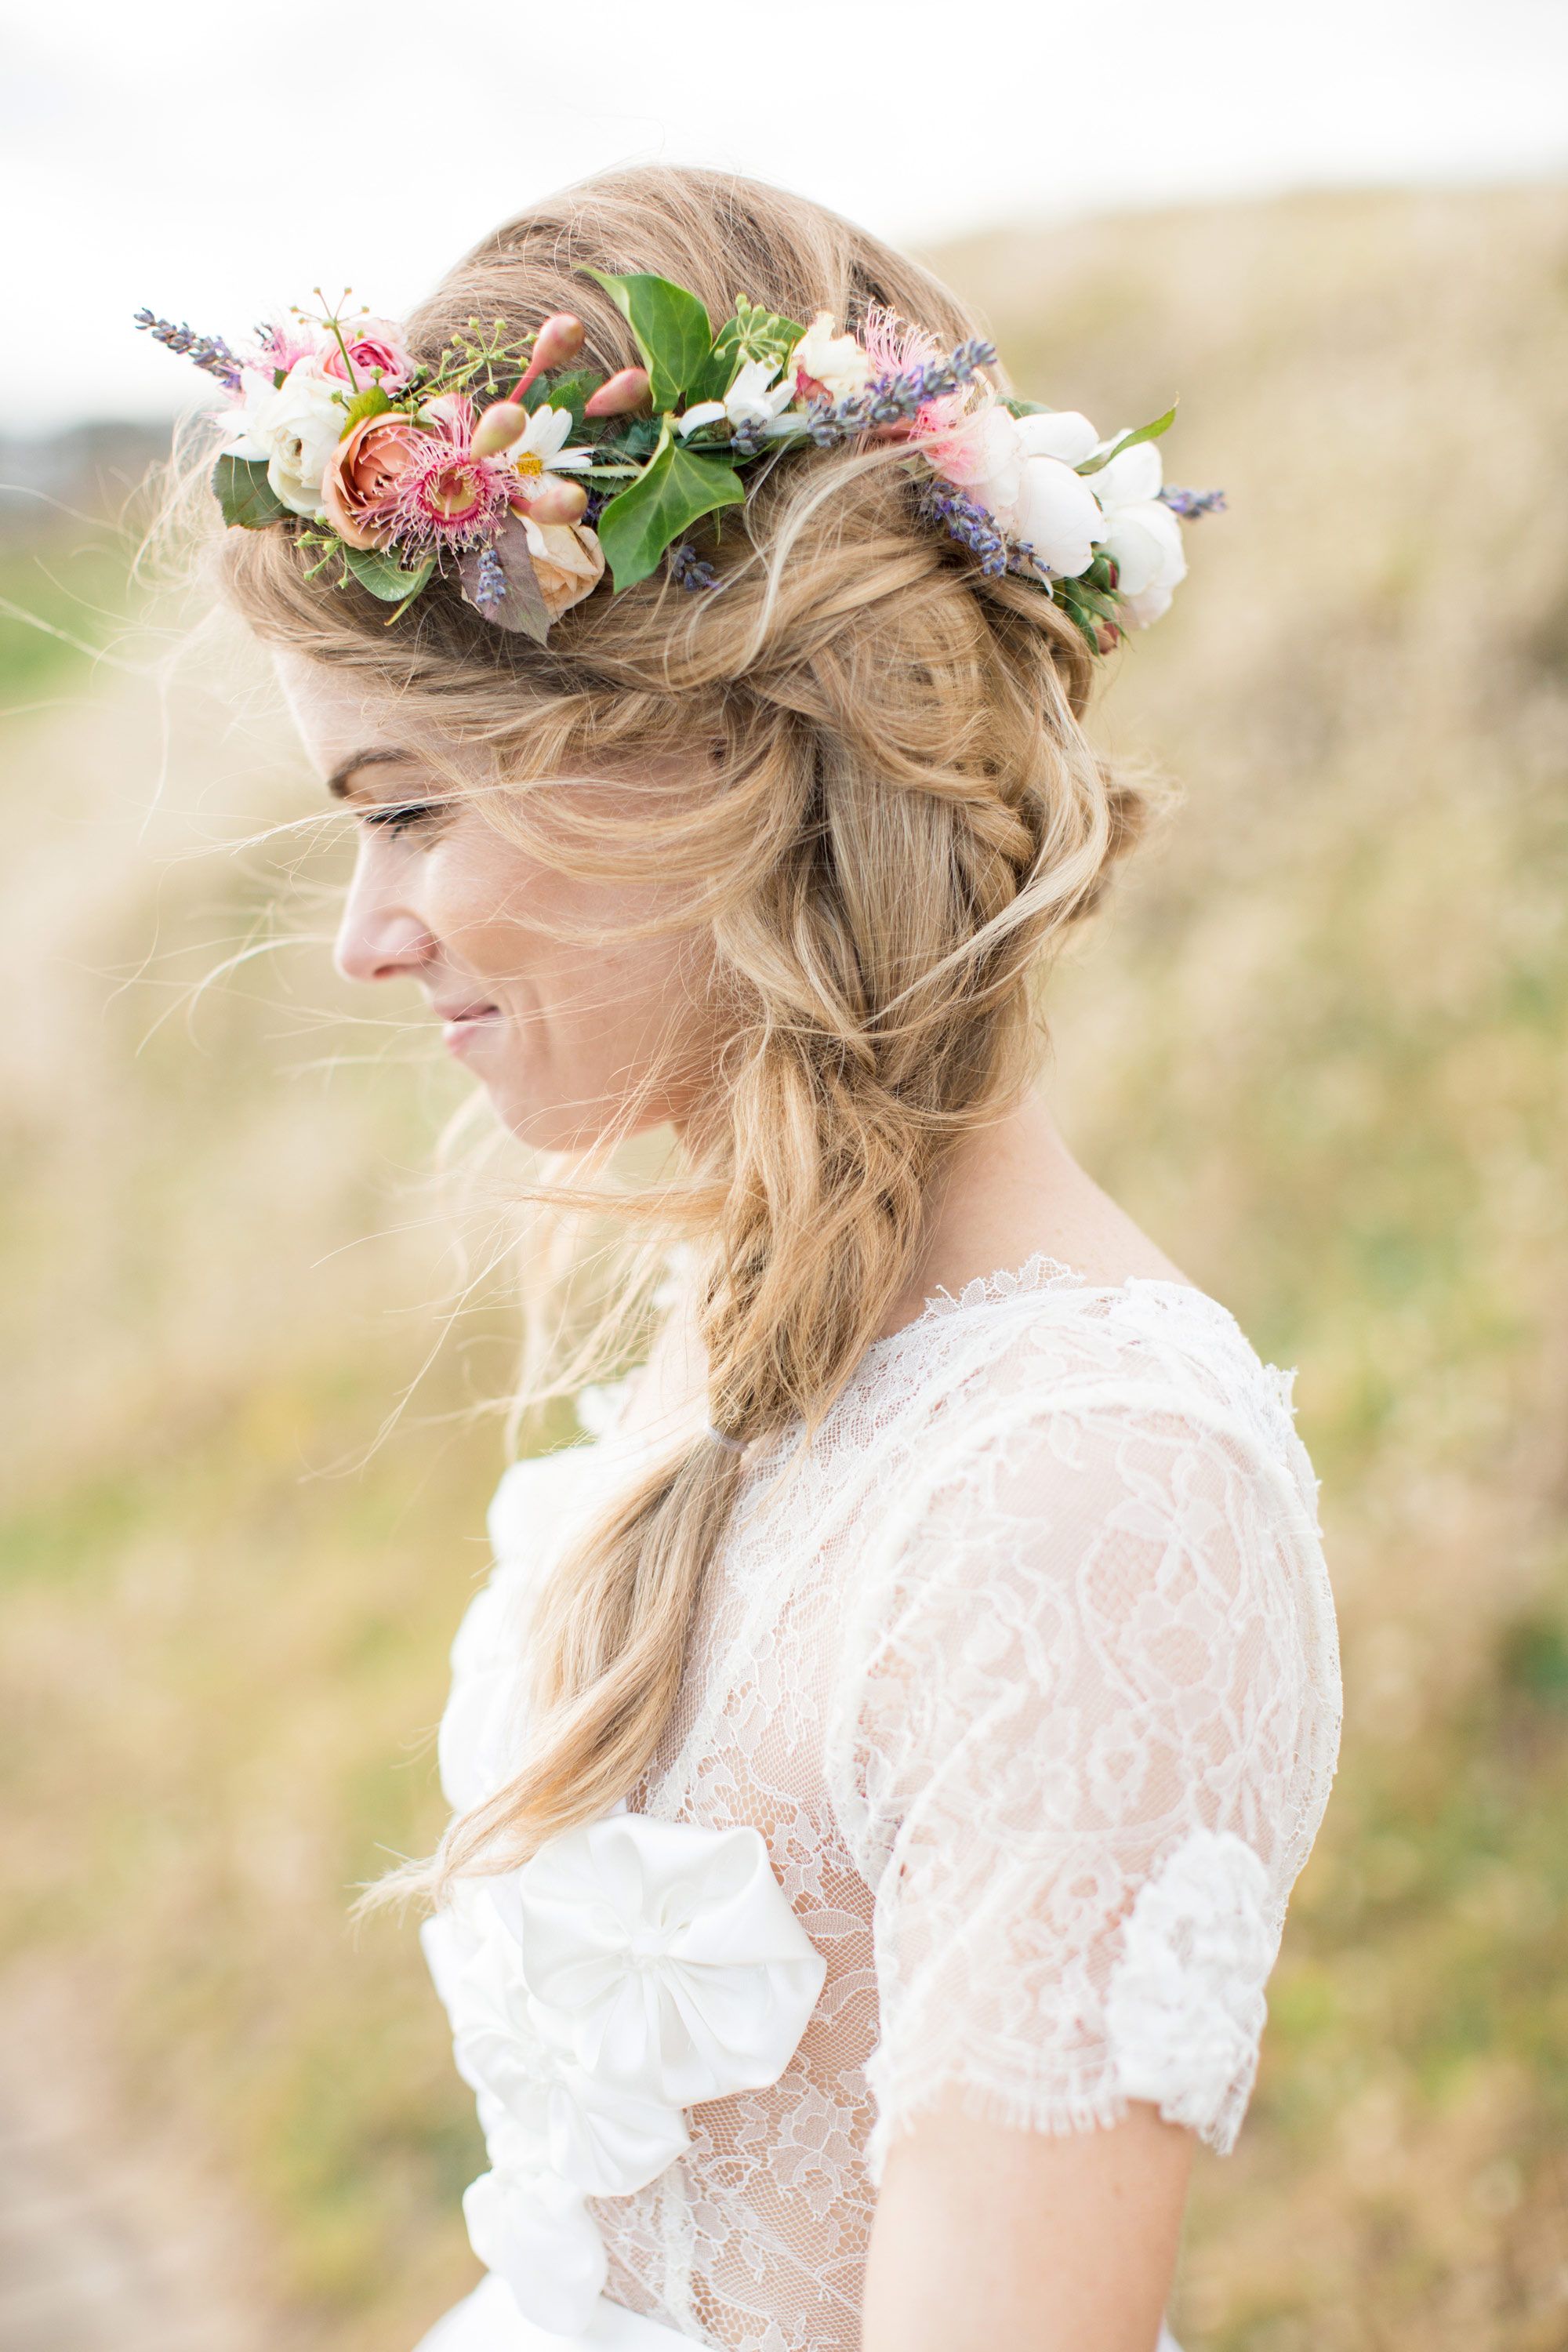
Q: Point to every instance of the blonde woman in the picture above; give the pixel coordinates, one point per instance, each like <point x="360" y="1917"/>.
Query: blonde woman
<point x="880" y="1761"/>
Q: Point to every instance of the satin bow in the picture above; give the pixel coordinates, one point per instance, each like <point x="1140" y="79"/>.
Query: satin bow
<point x="667" y="1954"/>
<point x="631" y="1968"/>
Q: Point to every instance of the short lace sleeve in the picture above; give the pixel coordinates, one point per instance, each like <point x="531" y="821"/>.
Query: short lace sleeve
<point x="1087" y="1724"/>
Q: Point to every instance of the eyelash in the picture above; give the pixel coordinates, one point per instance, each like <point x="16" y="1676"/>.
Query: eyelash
<point x="399" y="820"/>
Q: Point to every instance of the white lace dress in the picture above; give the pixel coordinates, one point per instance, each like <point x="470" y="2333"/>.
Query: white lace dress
<point x="1008" y="1724"/>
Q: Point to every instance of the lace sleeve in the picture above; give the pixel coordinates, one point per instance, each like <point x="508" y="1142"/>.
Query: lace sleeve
<point x="1086" y="1722"/>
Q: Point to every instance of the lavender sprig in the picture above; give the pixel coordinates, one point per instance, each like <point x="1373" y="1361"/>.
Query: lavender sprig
<point x="1191" y="503"/>
<point x="966" y="521"/>
<point x="689" y="570"/>
<point x="208" y="352"/>
<point x="489" y="587"/>
<point x="891" y="399"/>
<point x="747" y="439"/>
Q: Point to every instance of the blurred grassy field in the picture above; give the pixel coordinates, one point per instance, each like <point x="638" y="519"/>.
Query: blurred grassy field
<point x="1317" y="1047"/>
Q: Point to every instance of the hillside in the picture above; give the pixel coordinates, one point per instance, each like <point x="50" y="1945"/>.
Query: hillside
<point x="1317" y="1046"/>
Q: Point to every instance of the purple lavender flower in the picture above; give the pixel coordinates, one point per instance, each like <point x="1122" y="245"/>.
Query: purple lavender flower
<point x="689" y="570"/>
<point x="746" y="440"/>
<point x="966" y="521"/>
<point x="890" y="399"/>
<point x="489" y="588"/>
<point x="1191" y="503"/>
<point x="208" y="352"/>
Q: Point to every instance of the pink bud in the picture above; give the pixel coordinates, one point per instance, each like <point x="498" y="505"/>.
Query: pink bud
<point x="560" y="337"/>
<point x="556" y="500"/>
<point x="623" y="394"/>
<point x="499" y="427"/>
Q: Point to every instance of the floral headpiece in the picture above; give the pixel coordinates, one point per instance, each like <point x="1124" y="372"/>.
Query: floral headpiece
<point x="511" y="465"/>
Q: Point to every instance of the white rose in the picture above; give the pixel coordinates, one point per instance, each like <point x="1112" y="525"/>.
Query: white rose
<point x="1140" y="533"/>
<point x="1033" y="492"/>
<point x="295" y="429"/>
<point x="837" y="361"/>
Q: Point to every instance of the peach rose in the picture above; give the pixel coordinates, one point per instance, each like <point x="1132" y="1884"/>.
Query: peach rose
<point x="568" y="563"/>
<point x="363" y="476"/>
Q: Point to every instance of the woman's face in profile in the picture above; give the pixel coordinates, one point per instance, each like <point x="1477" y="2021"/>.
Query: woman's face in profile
<point x="564" y="1029"/>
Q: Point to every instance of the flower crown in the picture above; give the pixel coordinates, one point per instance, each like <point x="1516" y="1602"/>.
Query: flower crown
<point x="508" y="464"/>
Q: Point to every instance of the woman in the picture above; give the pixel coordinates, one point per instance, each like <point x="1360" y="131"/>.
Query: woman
<point x="880" y="1761"/>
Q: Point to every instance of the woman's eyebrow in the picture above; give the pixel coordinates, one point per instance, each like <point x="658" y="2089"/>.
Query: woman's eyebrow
<point x="338" y="782"/>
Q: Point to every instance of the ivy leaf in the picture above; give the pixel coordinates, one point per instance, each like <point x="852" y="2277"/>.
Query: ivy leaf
<point x="384" y="575"/>
<point x="245" y="494"/>
<point x="669" y="496"/>
<point x="1130" y="441"/>
<point x="671" y="327"/>
<point x="371" y="402"/>
<point x="522" y="608"/>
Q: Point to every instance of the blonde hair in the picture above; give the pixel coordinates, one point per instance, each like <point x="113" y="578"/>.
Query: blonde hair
<point x="902" y="816"/>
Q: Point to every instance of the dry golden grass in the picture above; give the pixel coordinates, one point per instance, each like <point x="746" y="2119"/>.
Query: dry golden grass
<point x="1317" y="1047"/>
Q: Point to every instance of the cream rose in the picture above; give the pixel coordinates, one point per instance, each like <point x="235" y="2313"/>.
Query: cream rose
<point x="1140" y="533"/>
<point x="294" y="431"/>
<point x="568" y="563"/>
<point x="1021" y="469"/>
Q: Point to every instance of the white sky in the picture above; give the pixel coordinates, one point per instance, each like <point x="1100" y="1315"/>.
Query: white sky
<point x="218" y="162"/>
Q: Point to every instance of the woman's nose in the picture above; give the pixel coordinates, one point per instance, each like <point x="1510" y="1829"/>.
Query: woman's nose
<point x="378" y="937"/>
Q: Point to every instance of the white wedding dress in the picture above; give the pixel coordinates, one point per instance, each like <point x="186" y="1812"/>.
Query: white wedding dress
<point x="1008" y="1724"/>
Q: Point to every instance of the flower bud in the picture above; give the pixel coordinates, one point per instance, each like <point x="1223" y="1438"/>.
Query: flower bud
<point x="502" y="423"/>
<point x="560" y="337"/>
<point x="624" y="392"/>
<point x="556" y="500"/>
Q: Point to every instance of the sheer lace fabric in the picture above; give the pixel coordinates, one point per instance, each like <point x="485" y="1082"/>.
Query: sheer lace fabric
<point x="1026" y="1671"/>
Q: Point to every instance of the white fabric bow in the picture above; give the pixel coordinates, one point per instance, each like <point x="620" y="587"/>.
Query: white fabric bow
<point x="667" y="1953"/>
<point x="631" y="1968"/>
<point x="605" y="2142"/>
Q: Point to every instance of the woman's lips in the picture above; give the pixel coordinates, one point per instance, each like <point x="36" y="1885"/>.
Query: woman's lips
<point x="459" y="1034"/>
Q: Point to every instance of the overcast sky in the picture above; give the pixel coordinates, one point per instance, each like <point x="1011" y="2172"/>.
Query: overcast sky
<point x="217" y="163"/>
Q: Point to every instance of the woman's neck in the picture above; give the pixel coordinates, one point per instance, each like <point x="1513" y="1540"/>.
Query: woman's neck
<point x="1014" y="1189"/>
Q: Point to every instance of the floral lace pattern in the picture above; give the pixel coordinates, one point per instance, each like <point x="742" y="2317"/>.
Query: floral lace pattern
<point x="1024" y="1674"/>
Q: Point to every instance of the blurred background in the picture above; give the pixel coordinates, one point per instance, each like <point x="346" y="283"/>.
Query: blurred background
<point x="1317" y="1046"/>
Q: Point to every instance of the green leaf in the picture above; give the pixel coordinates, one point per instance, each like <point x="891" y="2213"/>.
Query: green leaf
<point x="371" y="402"/>
<point x="1094" y="600"/>
<point x="384" y="575"/>
<point x="1130" y="441"/>
<point x="753" y="334"/>
<point x="671" y="494"/>
<point x="671" y="327"/>
<point x="564" y="390"/>
<point x="1079" y="618"/>
<point x="245" y="494"/>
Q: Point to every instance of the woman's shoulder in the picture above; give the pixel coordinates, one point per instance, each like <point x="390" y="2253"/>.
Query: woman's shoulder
<point x="1042" y="1340"/>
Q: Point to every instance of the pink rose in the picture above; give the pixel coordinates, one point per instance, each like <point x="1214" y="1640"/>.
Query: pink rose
<point x="364" y="472"/>
<point x="373" y="350"/>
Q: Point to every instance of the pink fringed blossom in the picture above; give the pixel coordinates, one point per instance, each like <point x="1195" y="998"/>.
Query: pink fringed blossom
<point x="278" y="348"/>
<point x="892" y="345"/>
<point x="449" y="498"/>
